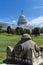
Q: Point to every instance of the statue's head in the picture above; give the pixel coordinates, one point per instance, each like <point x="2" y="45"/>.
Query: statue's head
<point x="26" y="36"/>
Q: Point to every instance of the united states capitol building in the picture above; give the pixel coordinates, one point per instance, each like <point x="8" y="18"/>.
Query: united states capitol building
<point x="22" y="22"/>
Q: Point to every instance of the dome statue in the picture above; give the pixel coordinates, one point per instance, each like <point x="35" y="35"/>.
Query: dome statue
<point x="22" y="19"/>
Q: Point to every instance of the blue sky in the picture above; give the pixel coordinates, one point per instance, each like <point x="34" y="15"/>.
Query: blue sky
<point x="11" y="9"/>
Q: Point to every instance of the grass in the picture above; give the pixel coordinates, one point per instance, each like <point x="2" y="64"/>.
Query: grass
<point x="2" y="57"/>
<point x="38" y="39"/>
<point x="5" y="40"/>
<point x="11" y="40"/>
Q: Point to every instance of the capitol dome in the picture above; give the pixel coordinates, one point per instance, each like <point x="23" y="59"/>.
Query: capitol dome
<point x="22" y="19"/>
<point x="23" y="22"/>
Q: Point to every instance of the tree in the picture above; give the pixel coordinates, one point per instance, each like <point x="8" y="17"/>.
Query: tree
<point x="41" y="30"/>
<point x="8" y="29"/>
<point x="27" y="31"/>
<point x="12" y="31"/>
<point x="0" y="29"/>
<point x="19" y="30"/>
<point x="36" y="31"/>
<point x="32" y="31"/>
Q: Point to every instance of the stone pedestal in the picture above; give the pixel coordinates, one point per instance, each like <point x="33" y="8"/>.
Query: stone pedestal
<point x="41" y="49"/>
<point x="9" y="52"/>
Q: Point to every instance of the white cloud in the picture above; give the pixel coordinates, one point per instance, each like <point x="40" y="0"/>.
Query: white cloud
<point x="14" y="21"/>
<point x="41" y="25"/>
<point x="38" y="7"/>
<point x="5" y="20"/>
<point x="37" y="21"/>
<point x="34" y="22"/>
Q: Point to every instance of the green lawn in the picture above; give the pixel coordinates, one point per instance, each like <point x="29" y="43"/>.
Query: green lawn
<point x="38" y="40"/>
<point x="8" y="39"/>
